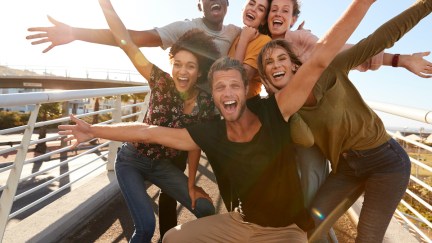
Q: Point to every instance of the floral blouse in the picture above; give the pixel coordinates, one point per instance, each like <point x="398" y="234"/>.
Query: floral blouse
<point x="166" y="109"/>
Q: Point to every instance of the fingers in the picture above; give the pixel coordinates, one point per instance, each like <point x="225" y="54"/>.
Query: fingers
<point x="52" y="20"/>
<point x="423" y="54"/>
<point x="48" y="48"/>
<point x="300" y="27"/>
<point x="193" y="203"/>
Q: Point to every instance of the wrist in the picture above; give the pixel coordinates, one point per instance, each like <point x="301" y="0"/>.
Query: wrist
<point x="395" y="60"/>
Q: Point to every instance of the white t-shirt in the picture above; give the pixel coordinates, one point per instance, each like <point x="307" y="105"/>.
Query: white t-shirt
<point x="172" y="32"/>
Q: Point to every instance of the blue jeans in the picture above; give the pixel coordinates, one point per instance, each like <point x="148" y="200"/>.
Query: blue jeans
<point x="133" y="170"/>
<point x="381" y="173"/>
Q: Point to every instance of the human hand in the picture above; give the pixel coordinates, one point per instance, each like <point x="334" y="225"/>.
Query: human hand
<point x="80" y="131"/>
<point x="249" y="33"/>
<point x="416" y="64"/>
<point x="196" y="192"/>
<point x="269" y="87"/>
<point x="59" y="34"/>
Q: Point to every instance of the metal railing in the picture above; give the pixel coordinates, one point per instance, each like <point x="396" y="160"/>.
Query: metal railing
<point x="24" y="181"/>
<point x="89" y="73"/>
<point x="414" y="220"/>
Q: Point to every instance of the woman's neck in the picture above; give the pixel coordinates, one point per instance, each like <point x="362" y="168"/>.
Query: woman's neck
<point x="189" y="99"/>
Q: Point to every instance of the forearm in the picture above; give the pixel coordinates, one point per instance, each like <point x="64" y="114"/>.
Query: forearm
<point x="193" y="161"/>
<point x="143" y="38"/>
<point x="124" y="132"/>
<point x="140" y="132"/>
<point x="329" y="45"/>
<point x="296" y="92"/>
<point x="124" y="40"/>
<point x="240" y="51"/>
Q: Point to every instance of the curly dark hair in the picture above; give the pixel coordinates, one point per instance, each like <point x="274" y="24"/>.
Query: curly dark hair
<point x="201" y="46"/>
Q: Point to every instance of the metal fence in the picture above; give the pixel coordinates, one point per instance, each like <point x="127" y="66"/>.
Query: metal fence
<point x="23" y="187"/>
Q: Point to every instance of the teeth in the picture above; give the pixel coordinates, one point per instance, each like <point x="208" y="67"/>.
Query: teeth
<point x="278" y="74"/>
<point x="250" y="16"/>
<point x="182" y="79"/>
<point x="229" y="102"/>
<point x="277" y="22"/>
<point x="214" y="6"/>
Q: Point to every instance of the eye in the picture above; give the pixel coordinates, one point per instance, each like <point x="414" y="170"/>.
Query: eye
<point x="191" y="66"/>
<point x="218" y="88"/>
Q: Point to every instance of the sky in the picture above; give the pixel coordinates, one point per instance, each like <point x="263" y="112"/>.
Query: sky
<point x="388" y="84"/>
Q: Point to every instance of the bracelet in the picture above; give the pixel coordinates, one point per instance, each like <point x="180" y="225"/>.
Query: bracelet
<point x="395" y="60"/>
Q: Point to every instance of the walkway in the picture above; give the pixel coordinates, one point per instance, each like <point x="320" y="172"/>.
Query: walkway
<point x="115" y="225"/>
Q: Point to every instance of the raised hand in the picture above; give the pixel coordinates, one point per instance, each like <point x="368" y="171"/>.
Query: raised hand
<point x="416" y="64"/>
<point x="249" y="33"/>
<point x="80" y="131"/>
<point x="59" y="34"/>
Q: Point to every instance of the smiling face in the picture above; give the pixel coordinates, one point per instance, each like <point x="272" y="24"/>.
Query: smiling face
<point x="278" y="67"/>
<point x="281" y="17"/>
<point x="185" y="71"/>
<point x="214" y="12"/>
<point x="255" y="13"/>
<point x="229" y="93"/>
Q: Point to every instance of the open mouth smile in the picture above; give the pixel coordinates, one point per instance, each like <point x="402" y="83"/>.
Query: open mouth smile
<point x="278" y="75"/>
<point x="215" y="7"/>
<point x="277" y="23"/>
<point x="250" y="16"/>
<point x="230" y="105"/>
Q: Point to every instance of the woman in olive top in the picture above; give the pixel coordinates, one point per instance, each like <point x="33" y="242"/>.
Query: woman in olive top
<point x="364" y="158"/>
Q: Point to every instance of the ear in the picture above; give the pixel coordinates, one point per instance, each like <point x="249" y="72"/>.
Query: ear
<point x="199" y="6"/>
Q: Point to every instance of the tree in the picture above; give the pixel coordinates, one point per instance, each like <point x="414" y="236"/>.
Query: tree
<point x="47" y="112"/>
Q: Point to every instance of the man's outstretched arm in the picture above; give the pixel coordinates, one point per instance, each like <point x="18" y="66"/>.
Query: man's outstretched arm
<point x="128" y="132"/>
<point x="61" y="33"/>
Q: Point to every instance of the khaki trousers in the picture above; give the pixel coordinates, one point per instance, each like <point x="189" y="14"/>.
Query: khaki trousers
<point x="230" y="227"/>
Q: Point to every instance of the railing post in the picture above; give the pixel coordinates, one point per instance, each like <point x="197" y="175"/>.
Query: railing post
<point x="113" y="147"/>
<point x="8" y="195"/>
<point x="144" y="107"/>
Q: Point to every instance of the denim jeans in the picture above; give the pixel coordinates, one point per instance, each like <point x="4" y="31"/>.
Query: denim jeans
<point x="381" y="173"/>
<point x="133" y="170"/>
<point x="167" y="204"/>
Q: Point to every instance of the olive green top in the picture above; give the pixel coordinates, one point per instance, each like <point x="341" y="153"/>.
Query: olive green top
<point x="341" y="120"/>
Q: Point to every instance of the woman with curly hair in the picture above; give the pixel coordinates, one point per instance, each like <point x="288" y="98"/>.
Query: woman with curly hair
<point x="176" y="101"/>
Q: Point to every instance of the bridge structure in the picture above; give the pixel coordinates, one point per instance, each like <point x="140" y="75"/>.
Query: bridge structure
<point x="39" y="205"/>
<point x="58" y="78"/>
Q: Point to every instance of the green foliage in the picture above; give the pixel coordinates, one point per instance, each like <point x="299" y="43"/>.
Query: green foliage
<point x="9" y="119"/>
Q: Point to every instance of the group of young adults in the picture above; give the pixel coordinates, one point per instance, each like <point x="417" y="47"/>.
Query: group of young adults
<point x="269" y="155"/>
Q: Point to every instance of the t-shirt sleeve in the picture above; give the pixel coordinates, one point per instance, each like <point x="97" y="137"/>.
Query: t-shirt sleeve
<point x="203" y="134"/>
<point x="170" y="33"/>
<point x="253" y="49"/>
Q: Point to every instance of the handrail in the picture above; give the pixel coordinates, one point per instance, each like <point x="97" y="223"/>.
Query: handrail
<point x="36" y="99"/>
<point x="420" y="115"/>
<point x="9" y="100"/>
